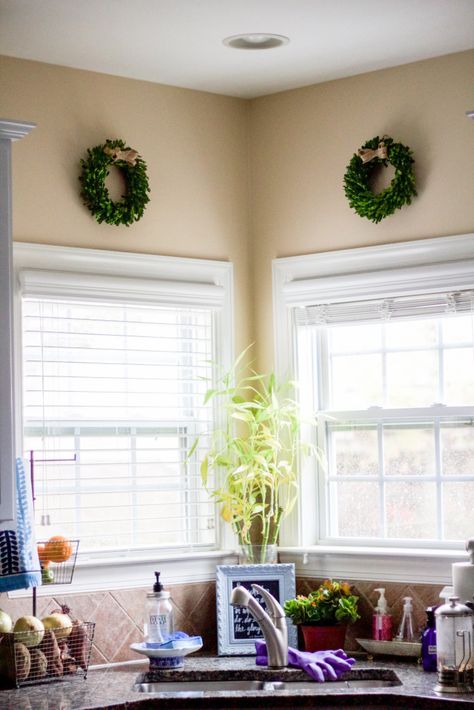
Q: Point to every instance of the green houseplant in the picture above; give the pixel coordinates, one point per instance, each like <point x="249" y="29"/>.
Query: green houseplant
<point x="324" y="614"/>
<point x="254" y="455"/>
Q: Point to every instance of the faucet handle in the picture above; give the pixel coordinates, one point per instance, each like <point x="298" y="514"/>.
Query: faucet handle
<point x="274" y="608"/>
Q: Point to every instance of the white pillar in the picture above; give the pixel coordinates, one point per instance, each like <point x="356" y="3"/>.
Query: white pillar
<point x="9" y="131"/>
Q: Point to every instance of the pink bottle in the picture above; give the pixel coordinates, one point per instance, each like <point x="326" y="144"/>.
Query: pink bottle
<point x="382" y="620"/>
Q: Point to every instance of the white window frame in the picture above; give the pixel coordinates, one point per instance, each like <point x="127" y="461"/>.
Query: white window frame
<point x="142" y="277"/>
<point x="422" y="266"/>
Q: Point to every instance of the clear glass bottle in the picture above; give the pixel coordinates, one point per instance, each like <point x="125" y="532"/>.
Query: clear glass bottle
<point x="159" y="617"/>
<point x="405" y="630"/>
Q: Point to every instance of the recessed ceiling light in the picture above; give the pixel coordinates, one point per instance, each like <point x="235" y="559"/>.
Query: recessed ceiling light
<point x="255" y="40"/>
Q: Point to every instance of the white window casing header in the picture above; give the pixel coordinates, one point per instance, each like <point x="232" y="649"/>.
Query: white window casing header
<point x="67" y="285"/>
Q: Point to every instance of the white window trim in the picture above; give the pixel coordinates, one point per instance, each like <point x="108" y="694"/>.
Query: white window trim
<point x="379" y="271"/>
<point x="179" y="280"/>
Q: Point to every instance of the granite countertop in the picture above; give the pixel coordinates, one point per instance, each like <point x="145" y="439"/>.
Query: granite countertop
<point x="113" y="689"/>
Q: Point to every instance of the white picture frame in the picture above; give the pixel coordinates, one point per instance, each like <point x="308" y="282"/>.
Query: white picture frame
<point x="237" y="631"/>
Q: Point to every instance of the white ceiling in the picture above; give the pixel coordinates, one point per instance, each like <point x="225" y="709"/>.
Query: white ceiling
<point x="179" y="42"/>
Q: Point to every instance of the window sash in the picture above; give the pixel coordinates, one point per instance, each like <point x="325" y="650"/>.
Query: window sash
<point x="62" y="340"/>
<point x="313" y="359"/>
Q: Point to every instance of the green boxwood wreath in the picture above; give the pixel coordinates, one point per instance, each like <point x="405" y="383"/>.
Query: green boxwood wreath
<point x="400" y="191"/>
<point x="95" y="169"/>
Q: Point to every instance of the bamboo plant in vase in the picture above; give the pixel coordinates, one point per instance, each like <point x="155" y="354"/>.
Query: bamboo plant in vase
<point x="254" y="457"/>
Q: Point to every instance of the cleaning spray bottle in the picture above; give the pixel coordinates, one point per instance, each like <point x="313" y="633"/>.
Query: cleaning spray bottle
<point x="159" y="620"/>
<point x="405" y="630"/>
<point x="382" y="619"/>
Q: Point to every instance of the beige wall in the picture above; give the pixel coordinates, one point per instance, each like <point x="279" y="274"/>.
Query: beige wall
<point x="195" y="145"/>
<point x="302" y="141"/>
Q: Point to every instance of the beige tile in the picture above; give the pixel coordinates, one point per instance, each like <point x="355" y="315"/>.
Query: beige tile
<point x="112" y="627"/>
<point x="132" y="601"/>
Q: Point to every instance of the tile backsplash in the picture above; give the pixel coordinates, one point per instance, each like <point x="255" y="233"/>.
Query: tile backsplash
<point x="118" y="614"/>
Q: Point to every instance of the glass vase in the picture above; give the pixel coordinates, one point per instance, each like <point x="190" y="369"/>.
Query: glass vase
<point x="258" y="554"/>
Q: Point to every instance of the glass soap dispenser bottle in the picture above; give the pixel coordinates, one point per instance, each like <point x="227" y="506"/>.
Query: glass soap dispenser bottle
<point x="381" y="619"/>
<point x="159" y="618"/>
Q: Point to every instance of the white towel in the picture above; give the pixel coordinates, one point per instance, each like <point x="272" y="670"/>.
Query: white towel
<point x="19" y="562"/>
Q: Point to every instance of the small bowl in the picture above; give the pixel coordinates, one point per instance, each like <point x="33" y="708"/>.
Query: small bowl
<point x="164" y="657"/>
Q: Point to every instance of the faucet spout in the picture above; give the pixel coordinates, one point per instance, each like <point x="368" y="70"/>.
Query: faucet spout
<point x="272" y="624"/>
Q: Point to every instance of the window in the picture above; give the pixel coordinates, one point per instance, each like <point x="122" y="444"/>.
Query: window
<point x="396" y="388"/>
<point x="114" y="374"/>
<point x="381" y="341"/>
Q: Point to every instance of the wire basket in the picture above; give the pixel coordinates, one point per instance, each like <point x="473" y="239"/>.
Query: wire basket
<point x="30" y="657"/>
<point x="58" y="560"/>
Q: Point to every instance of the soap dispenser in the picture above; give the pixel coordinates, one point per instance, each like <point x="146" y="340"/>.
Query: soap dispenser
<point x="405" y="630"/>
<point x="463" y="576"/>
<point x="381" y="620"/>
<point x="159" y="621"/>
<point x="428" y="642"/>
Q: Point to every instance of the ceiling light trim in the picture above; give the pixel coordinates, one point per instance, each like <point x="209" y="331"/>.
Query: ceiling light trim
<point x="255" y="40"/>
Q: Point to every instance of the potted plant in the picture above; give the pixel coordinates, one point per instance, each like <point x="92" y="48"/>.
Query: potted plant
<point x="324" y="614"/>
<point x="254" y="456"/>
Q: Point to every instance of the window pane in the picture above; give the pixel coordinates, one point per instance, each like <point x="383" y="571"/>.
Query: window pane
<point x="412" y="379"/>
<point x="458" y="330"/>
<point x="411" y="334"/>
<point x="356" y="381"/>
<point x="458" y="507"/>
<point x="358" y="338"/>
<point x="409" y="450"/>
<point x="459" y="376"/>
<point x="356" y="509"/>
<point x="410" y="510"/>
<point x="457" y="448"/>
<point x="355" y="451"/>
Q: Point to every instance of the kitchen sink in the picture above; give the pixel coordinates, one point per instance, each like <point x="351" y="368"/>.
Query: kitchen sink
<point x="241" y="685"/>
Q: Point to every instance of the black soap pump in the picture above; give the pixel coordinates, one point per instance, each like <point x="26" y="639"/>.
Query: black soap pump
<point x="159" y="618"/>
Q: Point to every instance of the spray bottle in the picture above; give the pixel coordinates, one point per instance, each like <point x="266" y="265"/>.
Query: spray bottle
<point x="382" y="619"/>
<point x="405" y="630"/>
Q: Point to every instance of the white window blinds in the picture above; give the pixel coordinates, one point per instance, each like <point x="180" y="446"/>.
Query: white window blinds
<point x="384" y="309"/>
<point x="120" y="385"/>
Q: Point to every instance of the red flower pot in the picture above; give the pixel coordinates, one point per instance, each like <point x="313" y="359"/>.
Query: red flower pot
<point x="323" y="638"/>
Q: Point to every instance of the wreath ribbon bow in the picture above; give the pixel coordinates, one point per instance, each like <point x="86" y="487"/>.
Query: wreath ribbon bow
<point x="366" y="154"/>
<point x="129" y="156"/>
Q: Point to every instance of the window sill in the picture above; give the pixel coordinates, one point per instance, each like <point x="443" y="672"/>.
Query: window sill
<point x="106" y="573"/>
<point x="418" y="566"/>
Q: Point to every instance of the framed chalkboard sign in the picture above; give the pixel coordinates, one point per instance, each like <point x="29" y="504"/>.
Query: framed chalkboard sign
<point x="237" y="630"/>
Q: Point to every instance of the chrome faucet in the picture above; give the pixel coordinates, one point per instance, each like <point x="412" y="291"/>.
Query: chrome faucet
<point x="273" y="623"/>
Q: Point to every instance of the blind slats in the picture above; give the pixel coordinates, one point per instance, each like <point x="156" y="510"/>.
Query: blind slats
<point x="388" y="309"/>
<point x="122" y="386"/>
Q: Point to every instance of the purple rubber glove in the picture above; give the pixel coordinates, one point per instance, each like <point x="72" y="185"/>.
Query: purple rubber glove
<point x="319" y="665"/>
